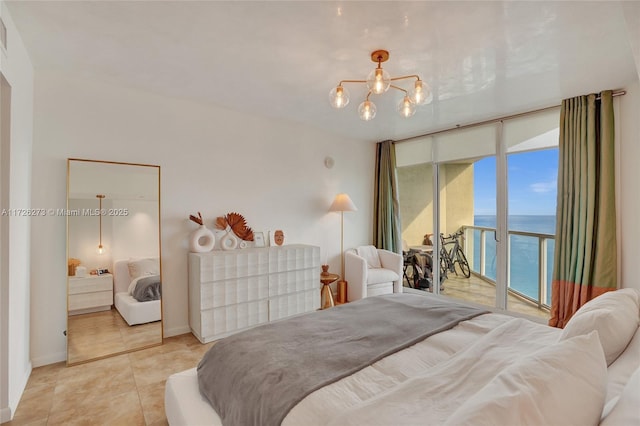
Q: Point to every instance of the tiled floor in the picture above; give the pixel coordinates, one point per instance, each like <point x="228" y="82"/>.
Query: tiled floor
<point x="100" y="334"/>
<point x="476" y="290"/>
<point x="126" y="389"/>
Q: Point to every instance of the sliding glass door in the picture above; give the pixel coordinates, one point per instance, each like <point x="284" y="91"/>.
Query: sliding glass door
<point x="467" y="188"/>
<point x="489" y="189"/>
<point x="532" y="157"/>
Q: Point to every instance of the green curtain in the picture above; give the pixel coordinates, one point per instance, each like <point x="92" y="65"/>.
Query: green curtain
<point x="386" y="208"/>
<point x="585" y="262"/>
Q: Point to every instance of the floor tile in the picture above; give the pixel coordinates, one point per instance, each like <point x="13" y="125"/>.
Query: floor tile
<point x="152" y="400"/>
<point x="128" y="389"/>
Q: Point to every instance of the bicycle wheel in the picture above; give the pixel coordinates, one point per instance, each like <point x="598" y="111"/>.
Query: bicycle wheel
<point x="461" y="262"/>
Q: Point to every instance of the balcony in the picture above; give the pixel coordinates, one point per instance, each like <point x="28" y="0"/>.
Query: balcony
<point x="530" y="255"/>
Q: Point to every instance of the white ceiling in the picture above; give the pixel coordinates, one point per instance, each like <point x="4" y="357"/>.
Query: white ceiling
<point x="280" y="59"/>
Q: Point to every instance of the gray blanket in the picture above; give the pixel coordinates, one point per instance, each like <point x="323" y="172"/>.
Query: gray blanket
<point x="147" y="288"/>
<point x="256" y="377"/>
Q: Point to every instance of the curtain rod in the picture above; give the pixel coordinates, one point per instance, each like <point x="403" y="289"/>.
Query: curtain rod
<point x="495" y="120"/>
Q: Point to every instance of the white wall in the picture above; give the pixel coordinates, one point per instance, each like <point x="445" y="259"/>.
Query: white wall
<point x="15" y="367"/>
<point x="627" y="123"/>
<point x="84" y="235"/>
<point x="212" y="160"/>
<point x="132" y="235"/>
<point x="135" y="234"/>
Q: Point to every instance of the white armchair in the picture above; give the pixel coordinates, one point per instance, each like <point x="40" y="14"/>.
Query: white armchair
<point x="371" y="271"/>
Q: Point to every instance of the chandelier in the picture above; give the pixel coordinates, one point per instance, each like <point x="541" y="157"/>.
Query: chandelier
<point x="378" y="82"/>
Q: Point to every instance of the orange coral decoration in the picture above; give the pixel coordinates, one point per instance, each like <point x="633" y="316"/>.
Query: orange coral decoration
<point x="221" y="223"/>
<point x="238" y="225"/>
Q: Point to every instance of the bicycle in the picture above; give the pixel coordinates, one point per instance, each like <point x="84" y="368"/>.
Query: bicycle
<point x="452" y="255"/>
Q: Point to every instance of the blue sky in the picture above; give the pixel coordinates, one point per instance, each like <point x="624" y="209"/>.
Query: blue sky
<point x="532" y="183"/>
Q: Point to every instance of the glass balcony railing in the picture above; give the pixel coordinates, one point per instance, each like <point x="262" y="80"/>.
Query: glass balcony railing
<point x="530" y="261"/>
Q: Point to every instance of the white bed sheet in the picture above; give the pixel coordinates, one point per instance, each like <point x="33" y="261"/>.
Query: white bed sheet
<point x="185" y="406"/>
<point x="135" y="312"/>
<point x="353" y="397"/>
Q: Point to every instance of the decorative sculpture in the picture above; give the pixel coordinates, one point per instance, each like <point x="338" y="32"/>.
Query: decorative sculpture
<point x="278" y="237"/>
<point x="236" y="227"/>
<point x="202" y="239"/>
<point x="236" y="223"/>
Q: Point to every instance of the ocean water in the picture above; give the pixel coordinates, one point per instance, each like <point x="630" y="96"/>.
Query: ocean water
<point x="523" y="254"/>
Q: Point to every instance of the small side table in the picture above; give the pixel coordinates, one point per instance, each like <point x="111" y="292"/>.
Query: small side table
<point x="325" y="294"/>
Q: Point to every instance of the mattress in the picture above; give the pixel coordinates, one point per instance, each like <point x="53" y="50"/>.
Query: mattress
<point x="401" y="387"/>
<point x="135" y="312"/>
<point x="185" y="406"/>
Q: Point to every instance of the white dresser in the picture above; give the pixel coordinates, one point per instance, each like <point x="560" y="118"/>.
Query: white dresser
<point x="237" y="289"/>
<point x="93" y="293"/>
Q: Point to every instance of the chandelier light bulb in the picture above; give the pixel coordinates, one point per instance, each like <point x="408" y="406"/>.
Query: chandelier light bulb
<point x="406" y="107"/>
<point x="367" y="110"/>
<point x="421" y="94"/>
<point x="339" y="97"/>
<point x="378" y="81"/>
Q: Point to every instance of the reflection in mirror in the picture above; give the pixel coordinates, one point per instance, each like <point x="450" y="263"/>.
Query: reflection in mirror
<point x="113" y="248"/>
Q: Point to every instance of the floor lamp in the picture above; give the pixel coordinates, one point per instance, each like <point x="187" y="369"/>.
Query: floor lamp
<point x="342" y="203"/>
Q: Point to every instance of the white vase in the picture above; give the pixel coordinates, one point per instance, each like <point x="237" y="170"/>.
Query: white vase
<point x="229" y="242"/>
<point x="202" y="240"/>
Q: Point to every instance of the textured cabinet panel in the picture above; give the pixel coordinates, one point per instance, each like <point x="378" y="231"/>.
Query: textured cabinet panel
<point x="233" y="290"/>
<point x="228" y="292"/>
<point x="289" y="258"/>
<point x="231" y="264"/>
<point x="227" y="319"/>
<point x="293" y="304"/>
<point x="292" y="281"/>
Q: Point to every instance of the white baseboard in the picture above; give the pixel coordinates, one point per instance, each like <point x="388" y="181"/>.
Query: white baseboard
<point x="5" y="414"/>
<point x="13" y="402"/>
<point x="176" y="331"/>
<point x="49" y="359"/>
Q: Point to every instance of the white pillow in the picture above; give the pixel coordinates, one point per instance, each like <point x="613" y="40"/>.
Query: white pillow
<point x="626" y="411"/>
<point x="562" y="384"/>
<point x="614" y="315"/>
<point x="370" y="254"/>
<point x="141" y="267"/>
<point x="619" y="372"/>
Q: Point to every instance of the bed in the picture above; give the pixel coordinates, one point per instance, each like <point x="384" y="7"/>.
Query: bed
<point x="469" y="373"/>
<point x="134" y="311"/>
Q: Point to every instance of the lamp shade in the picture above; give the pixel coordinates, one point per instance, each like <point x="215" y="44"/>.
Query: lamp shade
<point x="342" y="203"/>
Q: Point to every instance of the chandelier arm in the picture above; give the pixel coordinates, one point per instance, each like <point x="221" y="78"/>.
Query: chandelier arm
<point x="417" y="77"/>
<point x="368" y="94"/>
<point x="351" y="81"/>
<point x="399" y="88"/>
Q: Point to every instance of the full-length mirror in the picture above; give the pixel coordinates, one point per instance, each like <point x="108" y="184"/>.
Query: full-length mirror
<point x="114" y="302"/>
